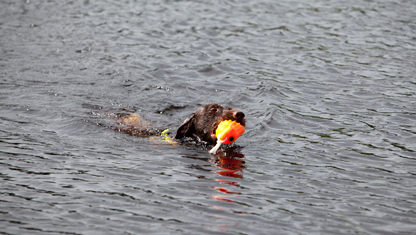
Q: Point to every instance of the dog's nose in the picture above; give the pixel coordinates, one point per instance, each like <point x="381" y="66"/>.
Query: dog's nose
<point x="238" y="115"/>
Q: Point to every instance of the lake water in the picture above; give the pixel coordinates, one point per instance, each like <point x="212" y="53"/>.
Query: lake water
<point x="328" y="88"/>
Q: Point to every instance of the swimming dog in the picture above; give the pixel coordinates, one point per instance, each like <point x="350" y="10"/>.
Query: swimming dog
<point x="199" y="126"/>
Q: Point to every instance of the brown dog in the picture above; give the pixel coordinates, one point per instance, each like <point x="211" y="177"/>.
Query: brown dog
<point x="202" y="124"/>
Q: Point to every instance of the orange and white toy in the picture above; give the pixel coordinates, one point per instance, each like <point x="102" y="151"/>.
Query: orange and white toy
<point x="227" y="132"/>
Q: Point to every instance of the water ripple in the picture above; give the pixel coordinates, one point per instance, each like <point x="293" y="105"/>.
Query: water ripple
<point x="327" y="88"/>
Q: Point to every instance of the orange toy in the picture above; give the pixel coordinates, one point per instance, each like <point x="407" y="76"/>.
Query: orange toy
<point x="227" y="132"/>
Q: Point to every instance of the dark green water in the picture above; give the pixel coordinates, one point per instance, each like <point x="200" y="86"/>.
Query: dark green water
<point x="328" y="88"/>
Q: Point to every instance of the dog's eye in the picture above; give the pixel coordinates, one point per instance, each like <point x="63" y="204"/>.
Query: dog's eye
<point x="213" y="110"/>
<point x="227" y="107"/>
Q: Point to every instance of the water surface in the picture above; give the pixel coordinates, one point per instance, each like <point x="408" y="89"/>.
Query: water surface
<point x="328" y="89"/>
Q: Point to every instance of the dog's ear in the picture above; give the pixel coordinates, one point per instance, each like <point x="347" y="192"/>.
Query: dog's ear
<point x="187" y="126"/>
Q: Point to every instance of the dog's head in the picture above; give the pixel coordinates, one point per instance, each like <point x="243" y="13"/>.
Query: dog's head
<point x="203" y="123"/>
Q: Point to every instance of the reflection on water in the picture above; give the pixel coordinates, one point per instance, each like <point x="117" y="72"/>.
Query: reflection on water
<point x="231" y="164"/>
<point x="230" y="161"/>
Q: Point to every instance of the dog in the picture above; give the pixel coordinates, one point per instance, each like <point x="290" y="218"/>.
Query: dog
<point x="202" y="124"/>
<point x="199" y="126"/>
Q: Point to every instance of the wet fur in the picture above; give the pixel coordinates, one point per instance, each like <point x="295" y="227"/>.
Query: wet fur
<point x="202" y="124"/>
